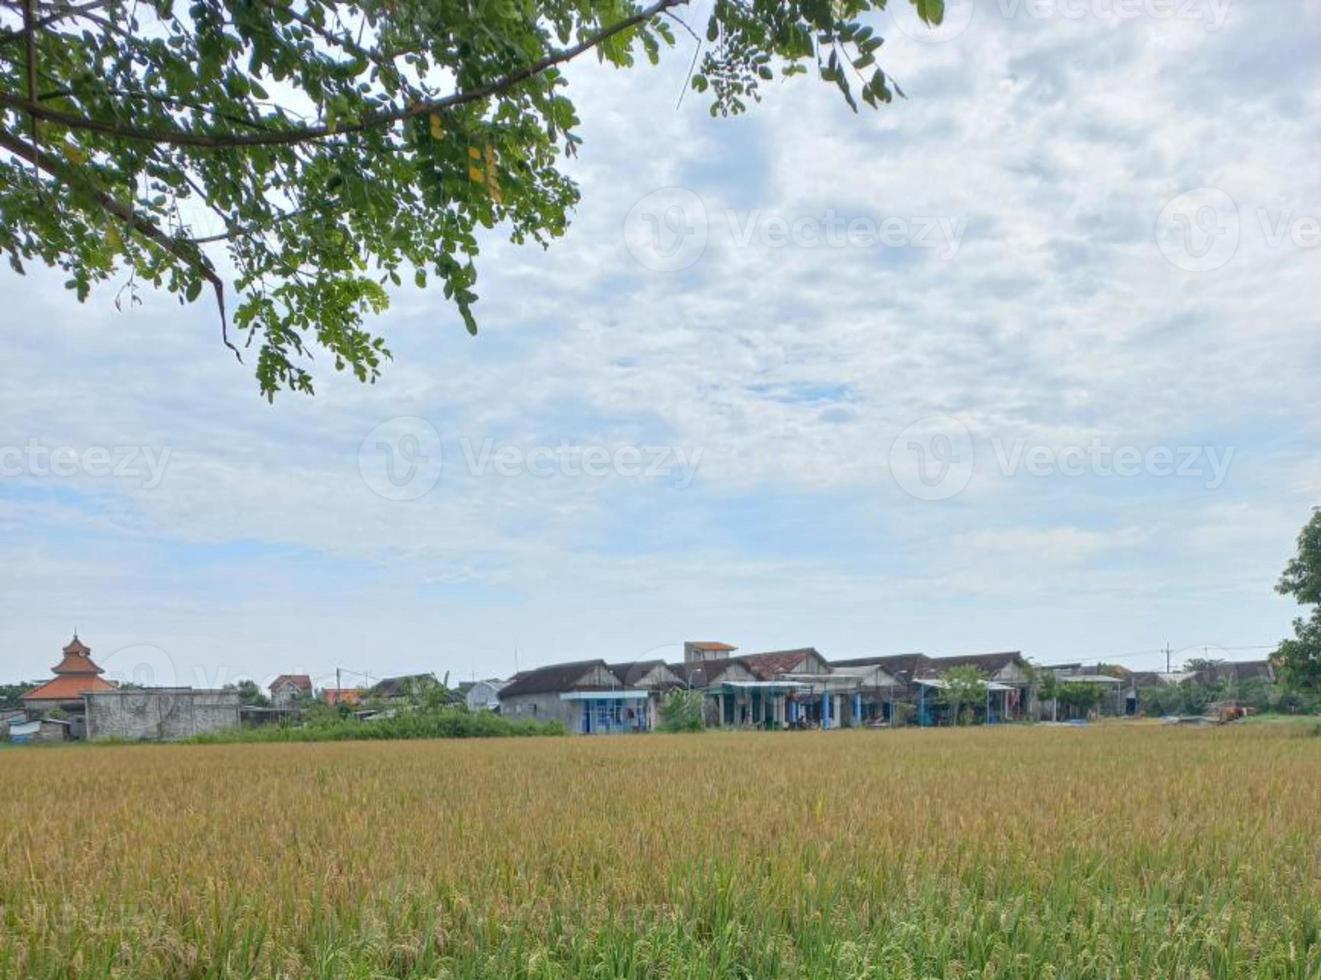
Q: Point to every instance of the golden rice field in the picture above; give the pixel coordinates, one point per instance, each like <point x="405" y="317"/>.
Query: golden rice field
<point x="1115" y="851"/>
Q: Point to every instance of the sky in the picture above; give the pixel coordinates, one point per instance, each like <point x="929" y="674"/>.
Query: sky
<point x="1024" y="361"/>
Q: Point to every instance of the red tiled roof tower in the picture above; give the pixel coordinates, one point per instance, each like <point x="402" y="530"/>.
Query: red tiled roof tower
<point x="75" y="675"/>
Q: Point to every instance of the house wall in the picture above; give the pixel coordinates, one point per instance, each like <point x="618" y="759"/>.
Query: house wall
<point x="812" y="664"/>
<point x="545" y="706"/>
<point x="693" y="654"/>
<point x="286" y="695"/>
<point x="160" y="715"/>
<point x="1011" y="674"/>
<point x="659" y="676"/>
<point x="482" y="696"/>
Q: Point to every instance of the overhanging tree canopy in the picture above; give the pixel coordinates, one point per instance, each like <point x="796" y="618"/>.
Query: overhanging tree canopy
<point x="340" y="145"/>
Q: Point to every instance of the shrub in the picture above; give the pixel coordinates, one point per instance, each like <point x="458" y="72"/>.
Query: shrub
<point x="437" y="723"/>
<point x="682" y="712"/>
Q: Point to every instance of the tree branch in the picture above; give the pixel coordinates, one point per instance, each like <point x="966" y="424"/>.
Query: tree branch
<point x="373" y="120"/>
<point x="181" y="250"/>
<point x="44" y="22"/>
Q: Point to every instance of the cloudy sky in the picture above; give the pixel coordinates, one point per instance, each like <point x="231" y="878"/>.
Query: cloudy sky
<point x="1025" y="361"/>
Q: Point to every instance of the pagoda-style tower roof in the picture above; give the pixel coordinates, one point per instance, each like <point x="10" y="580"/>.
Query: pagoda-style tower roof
<point x="75" y="675"/>
<point x="77" y="659"/>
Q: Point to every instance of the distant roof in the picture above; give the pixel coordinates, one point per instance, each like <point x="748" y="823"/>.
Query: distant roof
<point x="393" y="687"/>
<point x="342" y="695"/>
<point x="300" y="681"/>
<point x="68" y="687"/>
<point x="941" y="684"/>
<point x="630" y="674"/>
<point x="1092" y="678"/>
<point x="710" y="645"/>
<point x="989" y="662"/>
<point x="706" y="672"/>
<point x="77" y="659"/>
<point x="907" y="664"/>
<point x="77" y="646"/>
<point x="552" y="678"/>
<point x="772" y="664"/>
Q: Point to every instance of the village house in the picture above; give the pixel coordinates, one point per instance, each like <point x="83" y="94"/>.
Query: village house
<point x="698" y="651"/>
<point x="481" y="695"/>
<point x="288" y="690"/>
<point x="75" y="675"/>
<point x="653" y="676"/>
<point x="350" y="696"/>
<point x="1010" y="683"/>
<point x="586" y="696"/>
<point x="407" y="687"/>
<point x="783" y="688"/>
<point x="895" y="701"/>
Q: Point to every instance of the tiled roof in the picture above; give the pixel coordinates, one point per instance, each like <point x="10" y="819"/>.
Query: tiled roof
<point x="552" y="678"/>
<point x="987" y="662"/>
<point x="705" y="673"/>
<point x="342" y="695"/>
<point x="903" y="666"/>
<point x="300" y="681"/>
<point x="76" y="646"/>
<point x="768" y="666"/>
<point x="77" y="659"/>
<point x="631" y="674"/>
<point x="68" y="687"/>
<point x="710" y="645"/>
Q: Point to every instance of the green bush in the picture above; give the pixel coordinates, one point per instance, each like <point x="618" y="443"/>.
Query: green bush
<point x="682" y="712"/>
<point x="438" y="723"/>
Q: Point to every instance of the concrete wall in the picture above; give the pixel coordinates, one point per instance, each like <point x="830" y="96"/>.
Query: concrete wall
<point x="542" y="707"/>
<point x="160" y="714"/>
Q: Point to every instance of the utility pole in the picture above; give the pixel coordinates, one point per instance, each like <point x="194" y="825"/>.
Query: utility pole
<point x="1167" y="656"/>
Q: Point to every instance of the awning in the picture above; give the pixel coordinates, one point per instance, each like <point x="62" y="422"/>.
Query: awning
<point x="1087" y="679"/>
<point x="941" y="684"/>
<point x="769" y="687"/>
<point x="605" y="695"/>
